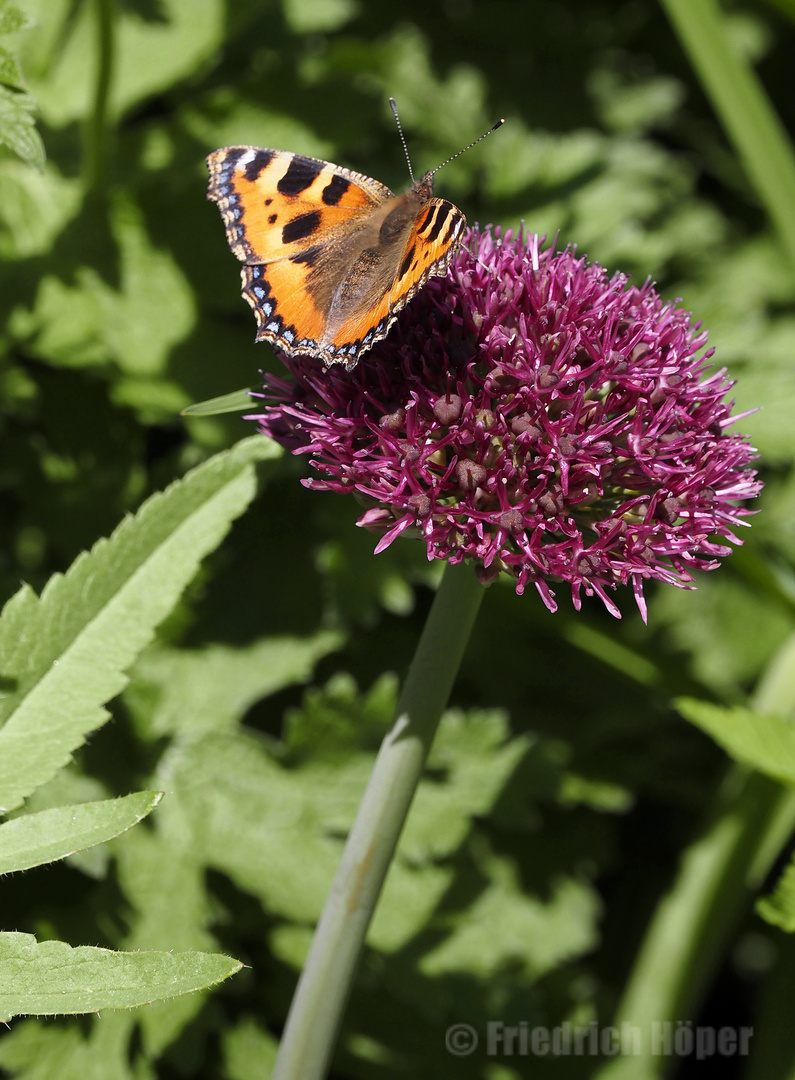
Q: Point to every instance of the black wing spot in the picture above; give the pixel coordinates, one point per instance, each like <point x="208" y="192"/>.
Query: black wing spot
<point x="301" y="227"/>
<point x="449" y="236"/>
<point x="406" y="264"/>
<point x="258" y="164"/>
<point x="443" y="211"/>
<point x="334" y="190"/>
<point x="272" y="219"/>
<point x="300" y="175"/>
<point x="428" y="219"/>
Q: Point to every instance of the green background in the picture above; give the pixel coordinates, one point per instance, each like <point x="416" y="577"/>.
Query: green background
<point x="564" y="788"/>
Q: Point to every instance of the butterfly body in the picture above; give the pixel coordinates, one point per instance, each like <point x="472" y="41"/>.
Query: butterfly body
<point x="330" y="255"/>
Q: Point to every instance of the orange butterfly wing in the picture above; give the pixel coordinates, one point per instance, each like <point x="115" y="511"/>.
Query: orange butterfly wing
<point x="331" y="255"/>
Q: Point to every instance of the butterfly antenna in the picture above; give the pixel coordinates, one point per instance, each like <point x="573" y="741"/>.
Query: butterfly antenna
<point x="447" y="162"/>
<point x="469" y="147"/>
<point x="393" y="106"/>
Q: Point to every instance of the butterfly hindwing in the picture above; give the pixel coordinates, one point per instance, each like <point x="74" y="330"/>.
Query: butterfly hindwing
<point x="281" y="308"/>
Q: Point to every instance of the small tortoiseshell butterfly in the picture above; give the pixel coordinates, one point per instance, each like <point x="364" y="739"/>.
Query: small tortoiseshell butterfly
<point x="331" y="256"/>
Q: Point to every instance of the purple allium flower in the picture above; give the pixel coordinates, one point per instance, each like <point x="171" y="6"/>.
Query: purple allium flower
<point x="536" y="417"/>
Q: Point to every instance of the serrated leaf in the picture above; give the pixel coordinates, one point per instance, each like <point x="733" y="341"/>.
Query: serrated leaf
<point x="13" y="20"/>
<point x="779" y="908"/>
<point x="766" y="743"/>
<point x="9" y="68"/>
<point x="506" y="926"/>
<point x="248" y="816"/>
<point x="53" y="834"/>
<point x="152" y="53"/>
<point x="65" y="653"/>
<point x="335" y="721"/>
<point x="244" y="813"/>
<point x="154" y="308"/>
<point x="51" y="978"/>
<point x="34" y="208"/>
<point x="155" y="865"/>
<point x="190" y="690"/>
<point x="135" y="315"/>
<point x="40" y="1050"/>
<point x="18" y="128"/>
<point x="478" y="757"/>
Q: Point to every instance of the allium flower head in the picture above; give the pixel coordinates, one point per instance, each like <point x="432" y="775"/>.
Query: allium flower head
<point x="534" y="416"/>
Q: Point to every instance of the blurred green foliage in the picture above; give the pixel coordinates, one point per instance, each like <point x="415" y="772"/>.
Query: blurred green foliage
<point x="563" y="785"/>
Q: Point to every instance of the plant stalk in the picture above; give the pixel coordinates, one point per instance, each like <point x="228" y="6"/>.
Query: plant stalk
<point x="95" y="147"/>
<point x="325" y="983"/>
<point x="751" y="820"/>
<point x="743" y="107"/>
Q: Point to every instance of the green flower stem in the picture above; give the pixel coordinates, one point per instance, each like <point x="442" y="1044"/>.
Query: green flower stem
<point x="720" y="871"/>
<point x="743" y="107"/>
<point x="325" y="983"/>
<point x="96" y="131"/>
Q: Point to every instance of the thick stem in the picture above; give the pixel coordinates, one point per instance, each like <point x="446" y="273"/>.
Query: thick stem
<point x="743" y="107"/>
<point x="95" y="153"/>
<point x="325" y="983"/>
<point x="751" y="820"/>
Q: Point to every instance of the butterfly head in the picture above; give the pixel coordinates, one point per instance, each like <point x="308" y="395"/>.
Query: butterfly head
<point x="424" y="186"/>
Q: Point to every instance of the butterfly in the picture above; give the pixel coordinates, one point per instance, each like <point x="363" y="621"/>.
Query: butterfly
<point x="330" y="255"/>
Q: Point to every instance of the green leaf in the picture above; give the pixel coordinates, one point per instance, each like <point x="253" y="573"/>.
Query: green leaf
<point x="51" y="978"/>
<point x="12" y="19"/>
<point x="336" y="720"/>
<point x="65" y="653"/>
<point x="766" y="743"/>
<point x="767" y="383"/>
<point x="248" y="1051"/>
<point x="505" y="926"/>
<point x="238" y="401"/>
<point x="248" y="817"/>
<point x="17" y="126"/>
<point x="182" y="691"/>
<point x="53" y="834"/>
<point x="154" y="308"/>
<point x="134" y="310"/>
<point x="96" y="1050"/>
<point x="9" y="69"/>
<point x="727" y="629"/>
<point x="34" y="208"/>
<point x="241" y="811"/>
<point x="477" y="756"/>
<point x="744" y="108"/>
<point x="155" y="48"/>
<point x="779" y="908"/>
<point x="155" y="865"/>
<point x="319" y="16"/>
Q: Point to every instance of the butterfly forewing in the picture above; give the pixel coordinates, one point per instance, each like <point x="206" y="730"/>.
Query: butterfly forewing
<point x="274" y="203"/>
